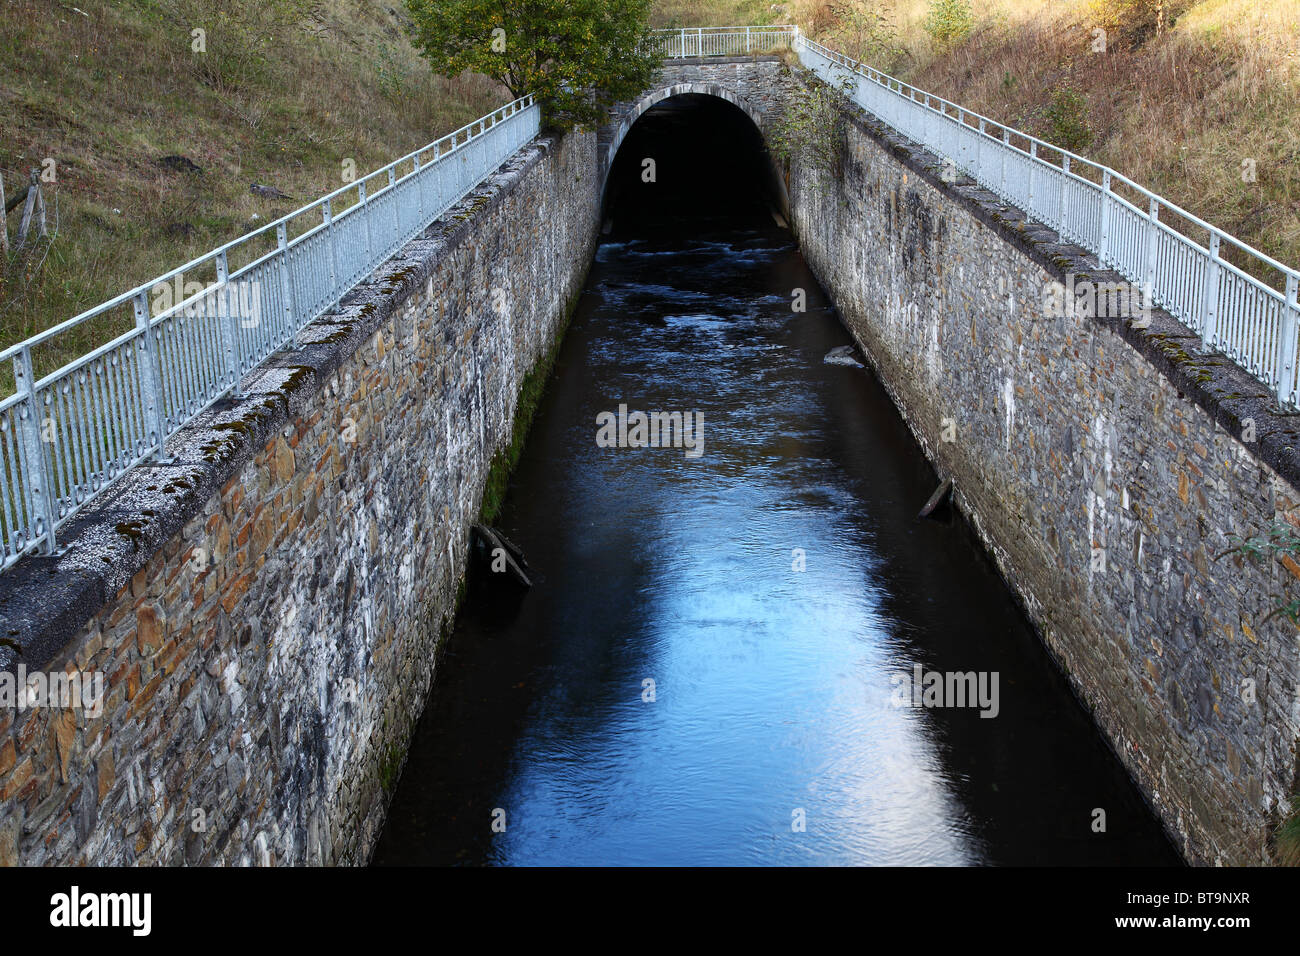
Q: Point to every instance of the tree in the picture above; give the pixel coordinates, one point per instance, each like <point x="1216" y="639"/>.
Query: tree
<point x="1136" y="20"/>
<point x="579" y="57"/>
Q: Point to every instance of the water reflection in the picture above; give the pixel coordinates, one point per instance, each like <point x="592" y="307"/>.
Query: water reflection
<point x="771" y="685"/>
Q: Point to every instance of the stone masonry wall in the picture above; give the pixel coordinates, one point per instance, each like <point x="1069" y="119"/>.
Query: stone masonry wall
<point x="758" y="85"/>
<point x="267" y="609"/>
<point x="1074" y="438"/>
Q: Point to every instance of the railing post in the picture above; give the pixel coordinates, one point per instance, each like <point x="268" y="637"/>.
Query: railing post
<point x="962" y="137"/>
<point x="39" y="500"/>
<point x="1006" y="151"/>
<point x="1210" y="297"/>
<point x="699" y="41"/>
<point x="365" y="214"/>
<point x="416" y="172"/>
<point x="328" y="214"/>
<point x="1286" y="352"/>
<point x="226" y="323"/>
<point x="151" y="374"/>
<point x="1103" y="244"/>
<point x="397" y="207"/>
<point x="286" y="280"/>
<point x="1033" y="169"/>
<point x="439" y="182"/>
<point x="1153" y="246"/>
<point x="1063" y="227"/>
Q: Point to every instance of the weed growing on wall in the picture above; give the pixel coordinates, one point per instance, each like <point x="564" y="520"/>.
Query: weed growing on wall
<point x="1281" y="542"/>
<point x="1288" y="836"/>
<point x="811" y="128"/>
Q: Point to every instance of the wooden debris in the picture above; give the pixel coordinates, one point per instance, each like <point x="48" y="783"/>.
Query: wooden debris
<point x="936" y="499"/>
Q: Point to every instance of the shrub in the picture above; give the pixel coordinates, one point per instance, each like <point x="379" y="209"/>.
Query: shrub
<point x="811" y="127"/>
<point x="863" y="30"/>
<point x="1135" y="20"/>
<point x="1067" y="120"/>
<point x="948" y="22"/>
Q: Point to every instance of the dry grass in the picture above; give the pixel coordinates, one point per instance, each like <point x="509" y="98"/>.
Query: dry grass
<point x="287" y="90"/>
<point x="1178" y="112"/>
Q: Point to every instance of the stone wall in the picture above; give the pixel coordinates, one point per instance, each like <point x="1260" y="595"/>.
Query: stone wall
<point x="267" y="608"/>
<point x="1102" y="465"/>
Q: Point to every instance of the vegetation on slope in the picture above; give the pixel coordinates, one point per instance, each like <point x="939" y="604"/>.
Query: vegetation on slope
<point x="1189" y="98"/>
<point x="1198" y="101"/>
<point x="283" y="94"/>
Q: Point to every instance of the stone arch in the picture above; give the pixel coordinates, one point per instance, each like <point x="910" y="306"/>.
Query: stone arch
<point x="626" y="119"/>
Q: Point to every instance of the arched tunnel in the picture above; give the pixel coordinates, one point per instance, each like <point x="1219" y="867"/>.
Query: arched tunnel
<point x="692" y="157"/>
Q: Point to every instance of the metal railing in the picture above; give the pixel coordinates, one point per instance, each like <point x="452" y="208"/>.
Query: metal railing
<point x="1252" y="321"/>
<point x="721" y="41"/>
<point x="1177" y="260"/>
<point x="68" y="436"/>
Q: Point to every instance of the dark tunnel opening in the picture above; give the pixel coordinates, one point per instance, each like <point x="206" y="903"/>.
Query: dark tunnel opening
<point x="689" y="161"/>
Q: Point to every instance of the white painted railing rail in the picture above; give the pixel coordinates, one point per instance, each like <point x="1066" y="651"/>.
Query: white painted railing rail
<point x="64" y="438"/>
<point x="720" y="41"/>
<point x="1184" y="270"/>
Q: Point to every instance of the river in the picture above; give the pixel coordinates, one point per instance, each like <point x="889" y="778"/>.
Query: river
<point x="713" y="665"/>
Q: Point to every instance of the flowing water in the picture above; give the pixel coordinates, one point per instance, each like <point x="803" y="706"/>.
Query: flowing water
<point x="714" y="665"/>
<point x="772" y="731"/>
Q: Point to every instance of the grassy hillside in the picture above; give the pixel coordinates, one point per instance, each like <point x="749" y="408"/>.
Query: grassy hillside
<point x="1183" y="95"/>
<point x="715" y="13"/>
<point x="286" y="91"/>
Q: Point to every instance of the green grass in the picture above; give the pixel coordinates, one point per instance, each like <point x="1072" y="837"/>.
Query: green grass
<point x="286" y="92"/>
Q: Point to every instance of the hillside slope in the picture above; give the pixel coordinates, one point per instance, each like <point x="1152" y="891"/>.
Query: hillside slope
<point x="283" y="93"/>
<point x="1198" y="101"/>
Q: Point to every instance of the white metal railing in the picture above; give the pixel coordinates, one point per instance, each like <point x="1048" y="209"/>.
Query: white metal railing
<point x="1252" y="321"/>
<point x="66" y="437"/>
<point x="721" y="41"/>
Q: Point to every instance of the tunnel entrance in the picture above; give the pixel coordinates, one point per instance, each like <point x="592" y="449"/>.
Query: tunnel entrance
<point x="709" y="162"/>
